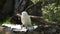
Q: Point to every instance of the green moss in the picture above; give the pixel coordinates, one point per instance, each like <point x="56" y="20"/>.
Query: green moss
<point x="7" y="21"/>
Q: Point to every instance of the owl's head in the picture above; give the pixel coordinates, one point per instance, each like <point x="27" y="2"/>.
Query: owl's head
<point x="24" y="13"/>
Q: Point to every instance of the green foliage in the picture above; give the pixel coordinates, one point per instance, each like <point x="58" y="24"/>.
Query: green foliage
<point x="58" y="14"/>
<point x="7" y="22"/>
<point x="34" y="1"/>
<point x="48" y="11"/>
<point x="52" y="11"/>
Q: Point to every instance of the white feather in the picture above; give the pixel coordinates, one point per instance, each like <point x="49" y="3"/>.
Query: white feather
<point x="25" y="19"/>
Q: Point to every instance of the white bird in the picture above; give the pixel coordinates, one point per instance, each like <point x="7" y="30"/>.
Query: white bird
<point x="25" y="19"/>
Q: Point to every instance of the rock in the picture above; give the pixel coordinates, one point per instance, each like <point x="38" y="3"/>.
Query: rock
<point x="41" y="29"/>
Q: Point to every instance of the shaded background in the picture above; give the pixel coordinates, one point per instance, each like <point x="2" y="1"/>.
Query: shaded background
<point x="48" y="9"/>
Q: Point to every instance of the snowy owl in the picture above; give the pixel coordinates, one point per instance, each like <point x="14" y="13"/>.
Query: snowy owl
<point x="25" y="19"/>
